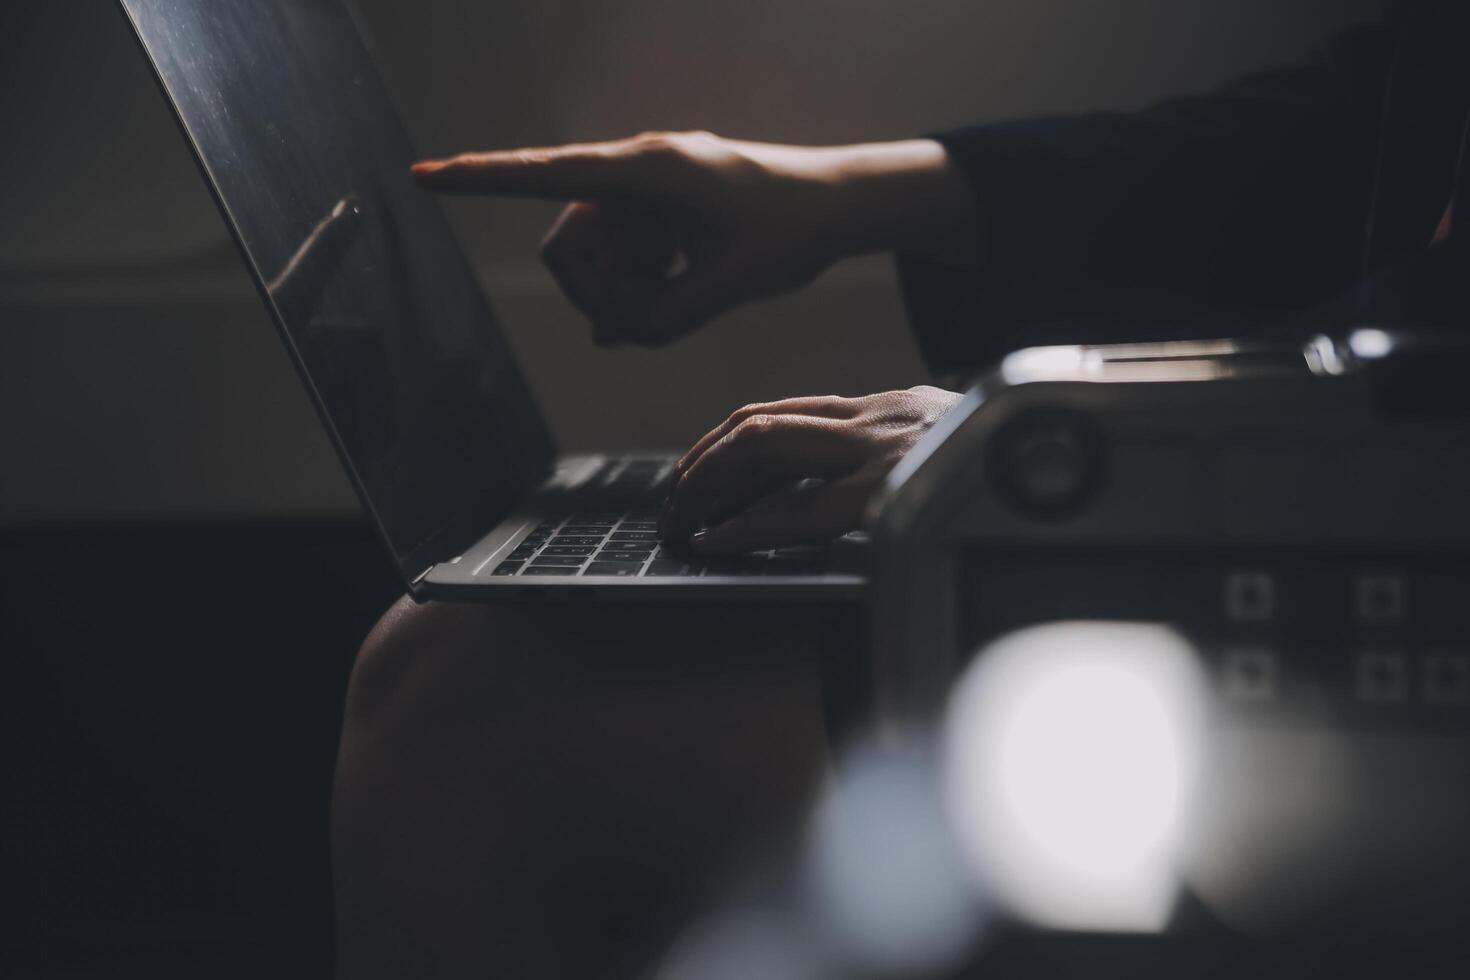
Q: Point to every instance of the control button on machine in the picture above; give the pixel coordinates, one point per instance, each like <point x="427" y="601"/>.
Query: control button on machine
<point x="1047" y="464"/>
<point x="1446" y="678"/>
<point x="1250" y="674"/>
<point x="1250" y="597"/>
<point x="1380" y="597"/>
<point x="1381" y="677"/>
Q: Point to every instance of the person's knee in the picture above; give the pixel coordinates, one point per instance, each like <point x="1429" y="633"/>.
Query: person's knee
<point x="413" y="659"/>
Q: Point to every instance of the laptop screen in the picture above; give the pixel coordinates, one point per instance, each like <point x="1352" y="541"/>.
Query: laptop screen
<point x="310" y="166"/>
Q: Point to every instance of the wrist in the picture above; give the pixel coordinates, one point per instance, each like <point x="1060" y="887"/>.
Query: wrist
<point x="907" y="196"/>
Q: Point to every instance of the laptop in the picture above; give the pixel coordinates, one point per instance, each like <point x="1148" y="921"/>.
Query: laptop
<point x="394" y="340"/>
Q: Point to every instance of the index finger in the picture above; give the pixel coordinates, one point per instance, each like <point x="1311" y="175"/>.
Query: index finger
<point x="574" y="171"/>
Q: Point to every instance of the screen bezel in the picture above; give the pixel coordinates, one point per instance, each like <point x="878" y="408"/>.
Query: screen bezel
<point x="462" y="529"/>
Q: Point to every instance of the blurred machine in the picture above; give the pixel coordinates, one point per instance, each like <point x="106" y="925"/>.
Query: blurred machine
<point x="1301" y="514"/>
<point x="1173" y="679"/>
<point x="1295" y="518"/>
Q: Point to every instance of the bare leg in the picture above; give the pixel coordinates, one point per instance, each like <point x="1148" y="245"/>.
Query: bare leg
<point x="524" y="791"/>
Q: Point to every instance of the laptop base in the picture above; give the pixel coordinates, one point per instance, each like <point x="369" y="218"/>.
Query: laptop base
<point x="590" y="533"/>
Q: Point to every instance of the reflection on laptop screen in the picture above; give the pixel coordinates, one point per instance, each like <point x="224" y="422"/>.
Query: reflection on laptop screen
<point x="310" y="164"/>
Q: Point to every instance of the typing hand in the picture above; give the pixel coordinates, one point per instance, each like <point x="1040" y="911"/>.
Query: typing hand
<point x="667" y="230"/>
<point x="740" y="482"/>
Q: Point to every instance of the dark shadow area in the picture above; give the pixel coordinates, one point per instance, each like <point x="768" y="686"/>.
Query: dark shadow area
<point x="170" y="708"/>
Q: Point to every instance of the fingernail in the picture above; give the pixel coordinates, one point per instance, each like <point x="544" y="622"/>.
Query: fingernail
<point x="699" y="541"/>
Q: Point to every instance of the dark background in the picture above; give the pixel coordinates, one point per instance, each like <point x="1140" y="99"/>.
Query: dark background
<point x="184" y="576"/>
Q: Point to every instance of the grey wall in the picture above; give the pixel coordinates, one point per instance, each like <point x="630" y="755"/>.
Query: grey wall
<point x="137" y="376"/>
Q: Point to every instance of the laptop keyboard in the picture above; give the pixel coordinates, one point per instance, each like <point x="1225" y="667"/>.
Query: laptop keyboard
<point x="624" y="543"/>
<point x="627" y="545"/>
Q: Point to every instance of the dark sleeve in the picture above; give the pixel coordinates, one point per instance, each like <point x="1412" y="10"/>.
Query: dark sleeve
<point x="1190" y="218"/>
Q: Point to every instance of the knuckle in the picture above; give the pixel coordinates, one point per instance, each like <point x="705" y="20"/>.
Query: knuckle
<point x="658" y="144"/>
<point x="677" y="146"/>
<point x="533" y="156"/>
<point x="747" y="411"/>
<point x="756" y="426"/>
<point x="840" y="403"/>
<point x="696" y="139"/>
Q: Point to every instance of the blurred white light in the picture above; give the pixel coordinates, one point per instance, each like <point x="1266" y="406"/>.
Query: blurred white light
<point x="1321" y="356"/>
<point x="1370" y="343"/>
<point x="1070" y="756"/>
<point x="1281" y="825"/>
<point x="741" y="944"/>
<point x="1042" y="363"/>
<point x="889" y="885"/>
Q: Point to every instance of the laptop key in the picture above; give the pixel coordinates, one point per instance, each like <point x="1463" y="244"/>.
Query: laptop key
<point x="522" y="553"/>
<point x="549" y="570"/>
<point x="507" y="568"/>
<point x="568" y="549"/>
<point x="562" y="560"/>
<point x="646" y="536"/>
<point x="646" y="547"/>
<point x="618" y="568"/>
<point x="589" y="529"/>
<point x="637" y="557"/>
<point x="575" y="539"/>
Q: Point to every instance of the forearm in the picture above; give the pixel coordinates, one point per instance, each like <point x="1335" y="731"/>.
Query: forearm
<point x="1256" y="193"/>
<point x="1242" y="207"/>
<point x="904" y="196"/>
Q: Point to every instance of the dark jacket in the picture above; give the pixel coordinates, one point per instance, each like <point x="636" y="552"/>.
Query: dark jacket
<point x="1304" y="196"/>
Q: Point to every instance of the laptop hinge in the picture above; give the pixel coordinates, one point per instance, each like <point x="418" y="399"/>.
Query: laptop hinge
<point x="421" y="576"/>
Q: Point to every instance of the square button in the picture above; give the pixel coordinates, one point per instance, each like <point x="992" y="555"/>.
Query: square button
<point x="1250" y="597"/>
<point x="1382" y="678"/>
<point x="1446" y="678"/>
<point x="1250" y="674"/>
<point x="1380" y="597"/>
